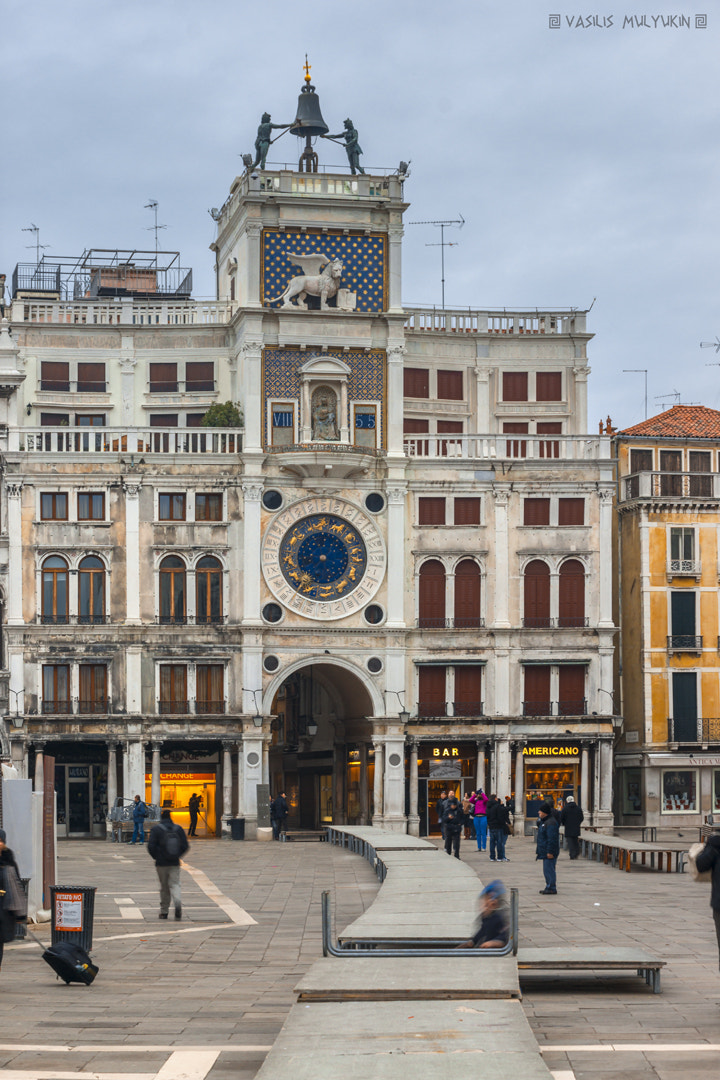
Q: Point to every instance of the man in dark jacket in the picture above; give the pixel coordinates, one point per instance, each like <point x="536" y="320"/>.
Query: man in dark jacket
<point x="194" y="804"/>
<point x="440" y="810"/>
<point x="278" y="815"/>
<point x="548" y="847"/>
<point x="497" y="818"/>
<point x="571" y="818"/>
<point x="139" y="813"/>
<point x="8" y="918"/>
<point x="453" y="820"/>
<point x="167" y="844"/>
<point x="709" y="859"/>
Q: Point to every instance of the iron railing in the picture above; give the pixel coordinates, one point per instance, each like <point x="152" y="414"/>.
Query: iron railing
<point x="563" y="622"/>
<point x="684" y="643"/>
<point x="565" y="707"/>
<point x="460" y="623"/>
<point x="705" y="729"/>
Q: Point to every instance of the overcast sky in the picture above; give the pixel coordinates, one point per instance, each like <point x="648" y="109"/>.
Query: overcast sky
<point x="584" y="159"/>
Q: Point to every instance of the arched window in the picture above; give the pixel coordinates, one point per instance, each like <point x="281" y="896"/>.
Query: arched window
<point x="172" y="590"/>
<point x="208" y="590"/>
<point x="571" y="609"/>
<point x="432" y="595"/>
<point x="537" y="594"/>
<point x="54" y="590"/>
<point x="91" y="590"/>
<point x="467" y="594"/>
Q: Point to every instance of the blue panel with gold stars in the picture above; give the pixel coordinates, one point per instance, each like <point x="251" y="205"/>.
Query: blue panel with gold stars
<point x="363" y="257"/>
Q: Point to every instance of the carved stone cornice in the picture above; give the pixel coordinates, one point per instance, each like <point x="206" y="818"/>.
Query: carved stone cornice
<point x="252" y="490"/>
<point x="14" y="489"/>
<point x="132" y="488"/>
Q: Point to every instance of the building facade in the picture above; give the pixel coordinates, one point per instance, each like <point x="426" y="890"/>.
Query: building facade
<point x="668" y="760"/>
<point x="395" y="577"/>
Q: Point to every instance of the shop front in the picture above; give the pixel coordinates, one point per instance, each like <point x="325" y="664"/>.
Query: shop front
<point x="81" y="791"/>
<point x="178" y="783"/>
<point x="668" y="790"/>
<point x="551" y="772"/>
<point x="443" y="766"/>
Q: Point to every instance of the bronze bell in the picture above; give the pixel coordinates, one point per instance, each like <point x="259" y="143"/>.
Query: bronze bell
<point x="308" y="120"/>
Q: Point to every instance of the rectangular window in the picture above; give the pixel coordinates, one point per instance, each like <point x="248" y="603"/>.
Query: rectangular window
<point x="682" y="548"/>
<point x="91" y="378"/>
<point x="199" y="375"/>
<point x="163" y="420"/>
<point x="684" y="700"/>
<point x="194" y="419"/>
<point x="171" y="507"/>
<point x="536" y="512"/>
<point x="679" y="791"/>
<point x="431" y="511"/>
<point x="416" y="382"/>
<point x="48" y="419"/>
<point x="450" y="385"/>
<point x="571" y="690"/>
<point x="173" y="688"/>
<point x="548" y="386"/>
<point x="701" y="481"/>
<point x="283" y="425"/>
<point x="682" y="617"/>
<point x="163" y="378"/>
<point x="549" y="448"/>
<point x="90" y="420"/>
<point x="431" y="691"/>
<point x="366" y="426"/>
<point x="53" y="506"/>
<point x="412" y="426"/>
<point x="209" y="688"/>
<point x="93" y="688"/>
<point x="452" y="447"/>
<point x="537" y="690"/>
<point x="515" y="386"/>
<point x="571" y="511"/>
<point x="209" y="507"/>
<point x="91" y="506"/>
<point x="641" y="461"/>
<point x="467" y="510"/>
<point x="54" y="375"/>
<point x="670" y="462"/>
<point x="632" y="800"/>
<point x="56" y="688"/>
<point x="450" y="427"/>
<point x="468" y="690"/>
<point x="516" y="448"/>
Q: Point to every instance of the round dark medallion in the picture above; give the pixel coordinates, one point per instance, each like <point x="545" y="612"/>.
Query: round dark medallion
<point x="394" y="760"/>
<point x="374" y="664"/>
<point x="271" y="663"/>
<point x="272" y="613"/>
<point x="374" y="614"/>
<point x="375" y="502"/>
<point x="272" y="500"/>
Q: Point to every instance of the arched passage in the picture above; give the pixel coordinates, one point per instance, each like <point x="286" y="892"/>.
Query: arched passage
<point x="321" y="752"/>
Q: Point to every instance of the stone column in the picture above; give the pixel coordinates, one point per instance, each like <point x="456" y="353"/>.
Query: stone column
<point x="128" y="363"/>
<point x="605" y="753"/>
<point x="240" y="782"/>
<point x="394" y="787"/>
<point x="394" y="434"/>
<point x="585" y="779"/>
<point x="395" y="236"/>
<point x="39" y="767"/>
<point x="251" y="381"/>
<point x="580" y="411"/>
<point x="252" y="776"/>
<point x="502" y="565"/>
<point x="480" y="777"/>
<point x="503" y="780"/>
<point x="15" y="562"/>
<point x="133" y="685"/>
<point x="227" y="788"/>
<point x="132" y="553"/>
<point x="606" y="561"/>
<point x="155" y="775"/>
<point x="378" y="783"/>
<point x="249" y="281"/>
<point x="519" y="788"/>
<point x="396" y="556"/>
<point x="266" y="761"/>
<point x="364" y="784"/>
<point x="339" y="812"/>
<point x="134" y="769"/>
<point x="252" y="494"/>
<point x="413" y="816"/>
<point x="482" y="385"/>
<point x="112" y="779"/>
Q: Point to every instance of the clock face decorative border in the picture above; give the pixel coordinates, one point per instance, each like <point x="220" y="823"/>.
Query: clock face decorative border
<point x="323" y="558"/>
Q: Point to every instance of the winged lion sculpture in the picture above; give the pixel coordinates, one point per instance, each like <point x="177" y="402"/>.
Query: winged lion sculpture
<point x="312" y="281"/>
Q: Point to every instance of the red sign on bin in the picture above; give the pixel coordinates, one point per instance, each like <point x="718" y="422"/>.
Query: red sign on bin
<point x="68" y="911"/>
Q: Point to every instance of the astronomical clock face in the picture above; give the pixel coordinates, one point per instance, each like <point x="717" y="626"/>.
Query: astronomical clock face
<point x="323" y="558"/>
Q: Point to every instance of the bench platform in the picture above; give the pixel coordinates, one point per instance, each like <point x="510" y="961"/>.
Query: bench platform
<point x="602" y="958"/>
<point x="467" y="976"/>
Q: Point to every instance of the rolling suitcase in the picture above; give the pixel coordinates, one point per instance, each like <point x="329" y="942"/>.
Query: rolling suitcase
<point x="69" y="962"/>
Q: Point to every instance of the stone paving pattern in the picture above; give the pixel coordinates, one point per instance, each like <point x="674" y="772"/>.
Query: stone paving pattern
<point x="234" y="985"/>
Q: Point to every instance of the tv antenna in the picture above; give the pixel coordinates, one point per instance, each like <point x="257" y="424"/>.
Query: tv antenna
<point x="675" y="397"/>
<point x="711" y="345"/>
<point x="638" y="371"/>
<point x="37" y="245"/>
<point x="153" y="205"/>
<point x="442" y="225"/>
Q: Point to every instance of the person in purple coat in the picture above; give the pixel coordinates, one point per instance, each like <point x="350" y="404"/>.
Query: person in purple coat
<point x="480" y="819"/>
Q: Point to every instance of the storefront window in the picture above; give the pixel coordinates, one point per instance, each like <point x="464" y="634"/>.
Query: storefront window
<point x="631" y="792"/>
<point x="679" y="791"/>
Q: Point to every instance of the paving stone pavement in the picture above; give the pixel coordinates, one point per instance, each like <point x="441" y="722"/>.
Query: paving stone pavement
<point x="169" y="990"/>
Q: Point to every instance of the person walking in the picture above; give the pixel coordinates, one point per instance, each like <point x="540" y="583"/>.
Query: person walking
<point x="467" y="808"/>
<point x="139" y="813"/>
<point x="440" y="810"/>
<point x="453" y="823"/>
<point x="548" y="847"/>
<point x="167" y="844"/>
<point x="571" y="818"/>
<point x="13" y="906"/>
<point x="480" y="820"/>
<point x="498" y="818"/>
<point x="278" y="815"/>
<point x="194" y="805"/>
<point x="709" y="859"/>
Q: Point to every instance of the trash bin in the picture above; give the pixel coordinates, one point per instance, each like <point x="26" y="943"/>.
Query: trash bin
<point x="237" y="828"/>
<point x="72" y="910"/>
<point x="21" y="927"/>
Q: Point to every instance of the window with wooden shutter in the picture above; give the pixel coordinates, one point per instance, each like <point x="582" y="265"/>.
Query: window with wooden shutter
<point x="549" y="448"/>
<point x="199" y="375"/>
<point x="571" y="610"/>
<point x="683" y="620"/>
<point x="684" y="694"/>
<point x="54" y="375"/>
<point x="414" y="426"/>
<point x="515" y="386"/>
<point x="641" y="461"/>
<point x="536" y="511"/>
<point x="56" y="688"/>
<point x="449" y="446"/>
<point x="173" y="688"/>
<point x="548" y="386"/>
<point x="515" y="448"/>
<point x="700" y="463"/>
<point x="467" y="510"/>
<point x="537" y="690"/>
<point x="431" y="511"/>
<point x="54" y="419"/>
<point x="432" y="700"/>
<point x="571" y="511"/>
<point x="670" y="462"/>
<point x="416" y="382"/>
<point x="91" y="378"/>
<point x="163" y="378"/>
<point x="194" y="419"/>
<point x="164" y="420"/>
<point x="571" y="690"/>
<point x="93" y="688"/>
<point x="450" y="385"/>
<point x="467" y="595"/>
<point x="537" y="594"/>
<point x="431" y="599"/>
<point x="209" y="688"/>
<point x="468" y="690"/>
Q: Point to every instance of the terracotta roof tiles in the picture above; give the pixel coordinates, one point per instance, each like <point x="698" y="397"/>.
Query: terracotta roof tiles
<point x="681" y="421"/>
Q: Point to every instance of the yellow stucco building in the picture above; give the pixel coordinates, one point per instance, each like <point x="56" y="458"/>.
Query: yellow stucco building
<point x="668" y="662"/>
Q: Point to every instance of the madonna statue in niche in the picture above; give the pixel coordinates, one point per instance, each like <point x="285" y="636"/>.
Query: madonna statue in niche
<point x="324" y="416"/>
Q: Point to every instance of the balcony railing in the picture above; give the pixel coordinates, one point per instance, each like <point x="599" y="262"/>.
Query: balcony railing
<point x="102" y="706"/>
<point x="671" y="485"/>
<point x="204" y="708"/>
<point x="186" y="708"/>
<point x="566" y="707"/>
<point x="467" y="708"/>
<point x="562" y="623"/>
<point x="685" y="643"/>
<point x="191" y="620"/>
<point x="684" y="568"/>
<point x="175" y="708"/>
<point x="59" y="708"/>
<point x="82" y="440"/>
<point x="84" y="386"/>
<point x="705" y="729"/>
<point x="72" y="620"/>
<point x="457" y="321"/>
<point x="120" y="312"/>
<point x="462" y="623"/>
<point x="428" y="710"/>
<point x="491" y="447"/>
<point x="181" y="386"/>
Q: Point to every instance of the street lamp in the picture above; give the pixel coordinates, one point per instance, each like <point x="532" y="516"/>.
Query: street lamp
<point x="258" y="721"/>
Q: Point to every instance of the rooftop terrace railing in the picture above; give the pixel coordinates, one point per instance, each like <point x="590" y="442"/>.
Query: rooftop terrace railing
<point x="491" y="447"/>
<point x="123" y="312"/>
<point x="98" y="441"/>
<point x="468" y="321"/>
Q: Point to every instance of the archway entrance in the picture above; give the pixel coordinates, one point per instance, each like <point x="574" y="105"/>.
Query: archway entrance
<point x="321" y="753"/>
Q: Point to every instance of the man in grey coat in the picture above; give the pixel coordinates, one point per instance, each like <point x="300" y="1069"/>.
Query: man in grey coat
<point x="571" y="818"/>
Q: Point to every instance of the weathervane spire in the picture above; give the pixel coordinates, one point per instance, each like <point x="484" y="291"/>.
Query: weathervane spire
<point x="307" y="69"/>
